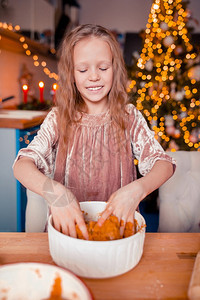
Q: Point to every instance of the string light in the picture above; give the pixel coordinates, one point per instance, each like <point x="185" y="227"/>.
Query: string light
<point x="25" y="46"/>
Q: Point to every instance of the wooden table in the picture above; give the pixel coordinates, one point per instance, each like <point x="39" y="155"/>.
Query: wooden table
<point x="163" y="273"/>
<point x="23" y="122"/>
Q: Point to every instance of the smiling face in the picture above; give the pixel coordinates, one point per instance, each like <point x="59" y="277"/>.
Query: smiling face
<point x="93" y="72"/>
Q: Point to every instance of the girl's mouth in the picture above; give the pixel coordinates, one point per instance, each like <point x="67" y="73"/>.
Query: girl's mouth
<point x="94" y="88"/>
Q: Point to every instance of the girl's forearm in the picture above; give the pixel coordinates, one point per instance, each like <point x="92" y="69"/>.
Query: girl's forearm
<point x="27" y="173"/>
<point x="52" y="191"/>
<point x="161" y="172"/>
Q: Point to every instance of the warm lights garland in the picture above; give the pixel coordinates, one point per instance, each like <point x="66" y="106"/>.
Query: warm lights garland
<point x="36" y="60"/>
<point x="165" y="27"/>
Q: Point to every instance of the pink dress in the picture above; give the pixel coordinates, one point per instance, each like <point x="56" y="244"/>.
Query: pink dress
<point x="97" y="164"/>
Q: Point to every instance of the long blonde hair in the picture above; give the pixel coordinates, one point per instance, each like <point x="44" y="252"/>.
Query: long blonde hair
<point x="69" y="100"/>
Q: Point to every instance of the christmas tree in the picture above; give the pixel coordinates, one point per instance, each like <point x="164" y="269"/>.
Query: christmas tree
<point x="165" y="78"/>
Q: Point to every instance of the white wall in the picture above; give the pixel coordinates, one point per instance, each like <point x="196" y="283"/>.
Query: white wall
<point x="29" y="14"/>
<point x="121" y="15"/>
<point x="125" y="15"/>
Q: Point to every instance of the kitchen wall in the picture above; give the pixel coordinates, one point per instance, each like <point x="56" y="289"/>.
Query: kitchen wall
<point x="33" y="16"/>
<point x="11" y="66"/>
<point x="126" y="15"/>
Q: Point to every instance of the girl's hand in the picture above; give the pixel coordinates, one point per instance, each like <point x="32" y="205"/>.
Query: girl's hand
<point x="123" y="204"/>
<point x="65" y="209"/>
<point x="65" y="218"/>
<point x="124" y="201"/>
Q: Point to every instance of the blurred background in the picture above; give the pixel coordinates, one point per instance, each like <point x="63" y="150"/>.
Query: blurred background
<point x="160" y="42"/>
<point x="46" y="21"/>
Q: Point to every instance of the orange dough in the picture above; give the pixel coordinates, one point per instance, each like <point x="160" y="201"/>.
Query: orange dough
<point x="110" y="230"/>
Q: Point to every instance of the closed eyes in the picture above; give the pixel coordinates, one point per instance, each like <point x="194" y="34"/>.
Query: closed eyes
<point x="101" y="69"/>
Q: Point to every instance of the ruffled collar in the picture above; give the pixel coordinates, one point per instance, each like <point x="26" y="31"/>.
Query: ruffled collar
<point x="92" y="120"/>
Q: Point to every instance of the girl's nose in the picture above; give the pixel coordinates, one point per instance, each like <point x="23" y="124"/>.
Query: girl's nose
<point x="94" y="75"/>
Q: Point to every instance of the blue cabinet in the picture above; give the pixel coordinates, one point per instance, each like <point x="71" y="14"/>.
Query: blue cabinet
<point x="12" y="193"/>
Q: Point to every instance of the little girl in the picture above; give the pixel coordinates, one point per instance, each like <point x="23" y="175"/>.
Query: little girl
<point x="86" y="146"/>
